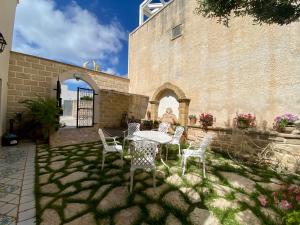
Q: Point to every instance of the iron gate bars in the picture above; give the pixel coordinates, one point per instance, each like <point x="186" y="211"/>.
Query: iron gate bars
<point x="85" y="107"/>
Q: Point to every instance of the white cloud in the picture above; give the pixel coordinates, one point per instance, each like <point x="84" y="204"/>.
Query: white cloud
<point x="111" y="71"/>
<point x="73" y="35"/>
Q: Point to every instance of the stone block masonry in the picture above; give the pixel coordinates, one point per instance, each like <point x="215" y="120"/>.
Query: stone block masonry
<point x="246" y="145"/>
<point x="244" y="68"/>
<point x="30" y="77"/>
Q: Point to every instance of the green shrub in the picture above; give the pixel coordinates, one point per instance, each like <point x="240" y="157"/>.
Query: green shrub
<point x="44" y="116"/>
<point x="292" y="218"/>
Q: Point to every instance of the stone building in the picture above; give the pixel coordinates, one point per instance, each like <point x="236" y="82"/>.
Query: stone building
<point x="7" y="18"/>
<point x="209" y="67"/>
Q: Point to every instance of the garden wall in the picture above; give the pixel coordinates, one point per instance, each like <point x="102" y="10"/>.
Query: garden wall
<point x="114" y="104"/>
<point x="285" y="154"/>
<point x="31" y="76"/>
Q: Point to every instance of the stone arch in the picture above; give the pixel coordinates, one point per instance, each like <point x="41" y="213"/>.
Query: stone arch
<point x="181" y="98"/>
<point x="171" y="87"/>
<point x="85" y="77"/>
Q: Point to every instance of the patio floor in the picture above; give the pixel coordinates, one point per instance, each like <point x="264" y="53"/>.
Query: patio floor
<point x="17" y="171"/>
<point x="73" y="190"/>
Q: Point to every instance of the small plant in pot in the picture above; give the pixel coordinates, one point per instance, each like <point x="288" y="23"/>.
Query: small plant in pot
<point x="43" y="117"/>
<point x="285" y="123"/>
<point x="206" y="120"/>
<point x="193" y="119"/>
<point x="244" y="121"/>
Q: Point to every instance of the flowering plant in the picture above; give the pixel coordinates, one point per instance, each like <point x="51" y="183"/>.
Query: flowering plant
<point x="245" y="120"/>
<point x="192" y="116"/>
<point x="282" y="121"/>
<point x="288" y="197"/>
<point x="206" y="119"/>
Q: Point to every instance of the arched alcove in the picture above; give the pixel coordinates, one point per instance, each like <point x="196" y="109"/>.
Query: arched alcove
<point x="172" y="91"/>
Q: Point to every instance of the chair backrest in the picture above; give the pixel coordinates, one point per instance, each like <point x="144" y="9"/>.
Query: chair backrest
<point x="143" y="154"/>
<point x="164" y="127"/>
<point x="101" y="134"/>
<point x="133" y="127"/>
<point x="178" y="133"/>
<point x="206" y="142"/>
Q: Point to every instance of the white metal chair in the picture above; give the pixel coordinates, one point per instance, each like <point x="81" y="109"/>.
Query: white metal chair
<point x="175" y="140"/>
<point x="164" y="127"/>
<point x="110" y="146"/>
<point x="128" y="134"/>
<point x="198" y="153"/>
<point x="143" y="157"/>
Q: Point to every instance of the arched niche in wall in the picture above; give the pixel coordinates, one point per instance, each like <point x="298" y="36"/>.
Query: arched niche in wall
<point x="173" y="93"/>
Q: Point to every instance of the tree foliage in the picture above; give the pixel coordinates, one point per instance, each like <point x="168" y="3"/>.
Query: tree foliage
<point x="280" y="12"/>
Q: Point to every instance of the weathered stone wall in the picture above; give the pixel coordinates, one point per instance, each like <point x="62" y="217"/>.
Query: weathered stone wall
<point x="113" y="105"/>
<point x="31" y="76"/>
<point x="223" y="70"/>
<point x="244" y="145"/>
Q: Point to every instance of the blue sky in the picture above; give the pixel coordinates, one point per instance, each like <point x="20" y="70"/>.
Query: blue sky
<point x="74" y="31"/>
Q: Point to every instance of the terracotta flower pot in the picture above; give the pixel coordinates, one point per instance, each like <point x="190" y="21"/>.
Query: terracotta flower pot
<point x="288" y="129"/>
<point x="193" y="121"/>
<point x="242" y="124"/>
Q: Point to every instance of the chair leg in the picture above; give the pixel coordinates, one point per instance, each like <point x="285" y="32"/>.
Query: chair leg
<point x="204" y="175"/>
<point x="167" y="152"/>
<point x="131" y="180"/>
<point x="122" y="156"/>
<point x="124" y="142"/>
<point x="129" y="147"/>
<point x="179" y="149"/>
<point x="103" y="159"/>
<point x="154" y="178"/>
<point x="184" y="164"/>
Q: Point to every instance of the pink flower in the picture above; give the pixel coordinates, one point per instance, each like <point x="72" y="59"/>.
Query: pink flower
<point x="263" y="200"/>
<point x="286" y="205"/>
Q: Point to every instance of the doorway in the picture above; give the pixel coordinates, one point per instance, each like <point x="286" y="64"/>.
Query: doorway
<point x="77" y="98"/>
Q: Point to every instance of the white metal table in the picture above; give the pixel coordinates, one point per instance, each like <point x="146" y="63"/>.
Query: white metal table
<point x="156" y="136"/>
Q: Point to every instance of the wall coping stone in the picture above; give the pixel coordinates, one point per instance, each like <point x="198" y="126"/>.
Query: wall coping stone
<point x="250" y="131"/>
<point x="67" y="64"/>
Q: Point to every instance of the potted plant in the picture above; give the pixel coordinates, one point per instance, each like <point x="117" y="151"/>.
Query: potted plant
<point x="44" y="117"/>
<point x="244" y="121"/>
<point x="193" y="119"/>
<point x="206" y="120"/>
<point x="285" y="123"/>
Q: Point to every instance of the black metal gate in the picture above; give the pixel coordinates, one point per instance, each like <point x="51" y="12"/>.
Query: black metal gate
<point x="85" y="107"/>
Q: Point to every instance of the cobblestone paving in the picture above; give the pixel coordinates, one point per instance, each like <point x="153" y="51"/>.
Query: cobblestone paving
<point x="73" y="190"/>
<point x="17" y="174"/>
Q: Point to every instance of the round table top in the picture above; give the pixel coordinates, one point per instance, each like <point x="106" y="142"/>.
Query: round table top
<point x="152" y="135"/>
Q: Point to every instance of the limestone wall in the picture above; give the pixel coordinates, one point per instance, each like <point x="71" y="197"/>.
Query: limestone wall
<point x="283" y="152"/>
<point x="31" y="76"/>
<point x="223" y="70"/>
<point x="113" y="105"/>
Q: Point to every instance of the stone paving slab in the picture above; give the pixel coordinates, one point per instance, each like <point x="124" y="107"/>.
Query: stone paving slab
<point x="75" y="191"/>
<point x="17" y="171"/>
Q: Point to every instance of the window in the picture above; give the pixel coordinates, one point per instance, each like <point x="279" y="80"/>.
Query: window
<point x="176" y="31"/>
